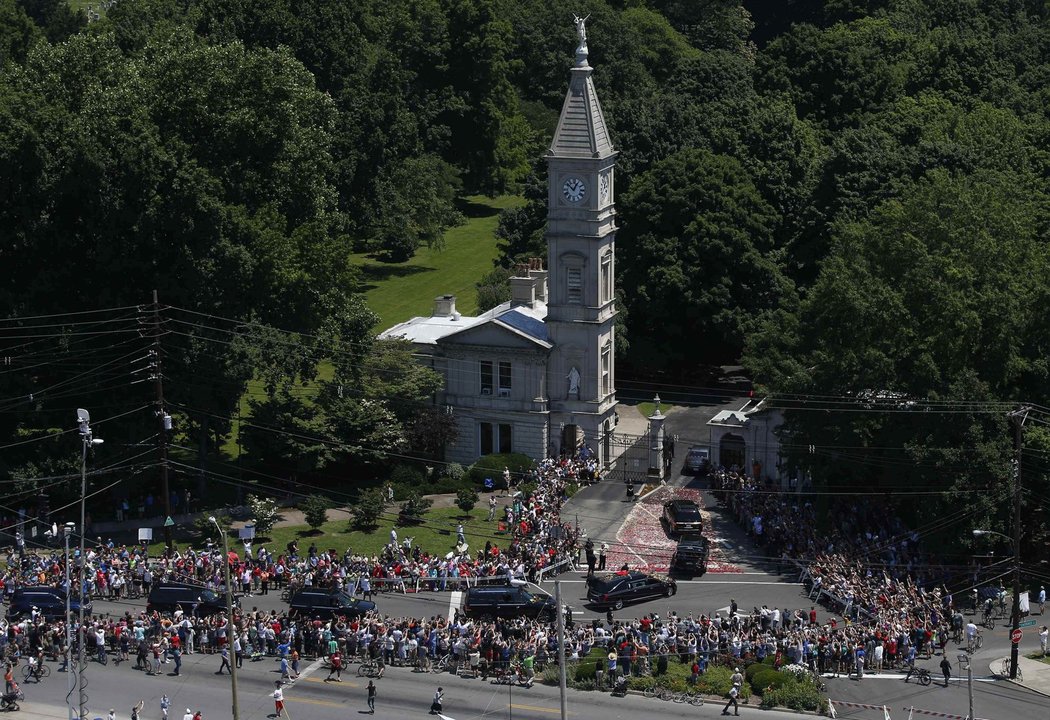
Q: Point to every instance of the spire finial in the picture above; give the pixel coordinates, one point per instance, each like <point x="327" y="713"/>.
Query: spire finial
<point x="581" y="31"/>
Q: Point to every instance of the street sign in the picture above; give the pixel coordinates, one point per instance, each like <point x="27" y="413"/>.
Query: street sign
<point x="1015" y="636"/>
<point x="1026" y="623"/>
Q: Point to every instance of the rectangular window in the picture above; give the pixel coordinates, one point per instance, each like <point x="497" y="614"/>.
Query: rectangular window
<point x="504" y="378"/>
<point x="574" y="285"/>
<point x="606" y="369"/>
<point x="486" y="377"/>
<point x="607" y="277"/>
<point x="495" y="438"/>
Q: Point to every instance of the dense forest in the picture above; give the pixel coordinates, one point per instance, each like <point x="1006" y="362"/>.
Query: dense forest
<point x="848" y="197"/>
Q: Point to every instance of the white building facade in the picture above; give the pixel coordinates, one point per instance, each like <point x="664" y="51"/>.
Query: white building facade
<point x="537" y="375"/>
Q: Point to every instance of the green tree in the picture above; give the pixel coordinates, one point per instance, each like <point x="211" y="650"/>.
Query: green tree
<point x="17" y="32"/>
<point x="367" y="510"/>
<point x="925" y="301"/>
<point x="315" y="510"/>
<point x="695" y="251"/>
<point x="466" y="499"/>
<point x="265" y="513"/>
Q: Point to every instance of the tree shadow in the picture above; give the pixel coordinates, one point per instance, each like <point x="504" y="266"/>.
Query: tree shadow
<point x="373" y="273"/>
<point x="473" y="209"/>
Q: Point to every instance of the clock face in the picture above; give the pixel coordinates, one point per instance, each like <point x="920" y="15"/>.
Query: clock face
<point x="573" y="189"/>
<point x="603" y="188"/>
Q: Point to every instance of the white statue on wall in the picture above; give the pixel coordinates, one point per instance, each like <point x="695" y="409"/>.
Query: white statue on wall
<point x="574" y="382"/>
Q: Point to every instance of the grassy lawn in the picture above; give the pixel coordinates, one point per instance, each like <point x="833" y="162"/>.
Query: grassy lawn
<point x="400" y="291"/>
<point x="648" y="408"/>
<point x="1039" y="657"/>
<point x="335" y="534"/>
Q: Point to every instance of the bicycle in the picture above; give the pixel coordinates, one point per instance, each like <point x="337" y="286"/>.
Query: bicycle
<point x="1005" y="670"/>
<point x="975" y="644"/>
<point x="989" y="621"/>
<point x="921" y="674"/>
<point x="442" y="664"/>
<point x="657" y="692"/>
<point x="38" y="672"/>
<point x="368" y="668"/>
<point x="688" y="697"/>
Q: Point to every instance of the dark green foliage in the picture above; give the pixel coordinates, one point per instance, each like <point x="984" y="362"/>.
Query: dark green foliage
<point x="315" y="510"/>
<point x="414" y="507"/>
<point x="491" y="466"/>
<point x="365" y="513"/>
<point x="767" y="679"/>
<point x="696" y="253"/>
<point x="466" y="499"/>
<point x="796" y="695"/>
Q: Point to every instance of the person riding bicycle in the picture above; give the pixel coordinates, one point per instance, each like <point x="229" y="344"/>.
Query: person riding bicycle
<point x="988" y="606"/>
<point x="909" y="662"/>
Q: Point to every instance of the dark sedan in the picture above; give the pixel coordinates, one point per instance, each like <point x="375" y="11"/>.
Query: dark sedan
<point x="327" y="603"/>
<point x="683" y="517"/>
<point x="615" y="591"/>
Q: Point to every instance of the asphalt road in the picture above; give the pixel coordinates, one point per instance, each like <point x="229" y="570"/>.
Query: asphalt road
<point x="400" y="694"/>
<point x="600" y="510"/>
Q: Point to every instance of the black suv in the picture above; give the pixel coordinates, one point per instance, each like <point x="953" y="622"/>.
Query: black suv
<point x="508" y="601"/>
<point x="49" y="602"/>
<point x="326" y="603"/>
<point x="683" y="517"/>
<point x="193" y="599"/>
<point x="615" y="591"/>
<point x="690" y="557"/>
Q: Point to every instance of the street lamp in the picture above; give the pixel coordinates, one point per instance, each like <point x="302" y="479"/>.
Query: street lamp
<point x="229" y="615"/>
<point x="87" y="441"/>
<point x="69" y="628"/>
<point x="1017" y="593"/>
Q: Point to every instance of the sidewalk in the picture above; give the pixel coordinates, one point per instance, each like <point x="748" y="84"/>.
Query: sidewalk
<point x="1036" y="674"/>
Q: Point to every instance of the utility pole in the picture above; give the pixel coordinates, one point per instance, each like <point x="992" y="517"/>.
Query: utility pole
<point x="561" y="648"/>
<point x="163" y="421"/>
<point x="965" y="659"/>
<point x="232" y="632"/>
<point x="1018" y="417"/>
<point x="87" y="441"/>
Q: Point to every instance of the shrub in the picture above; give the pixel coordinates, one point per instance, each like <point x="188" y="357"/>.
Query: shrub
<point x="414" y="508"/>
<point x="796" y="696"/>
<point x="769" y="679"/>
<point x="796" y="671"/>
<point x="455" y="471"/>
<point x="264" y="512"/>
<point x="369" y="506"/>
<point x="406" y="475"/>
<point x="315" y="510"/>
<point x="717" y="681"/>
<point x="466" y="499"/>
<point x="492" y="466"/>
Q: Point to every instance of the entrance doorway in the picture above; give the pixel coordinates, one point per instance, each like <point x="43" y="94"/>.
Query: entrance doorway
<point x="731" y="451"/>
<point x="571" y="440"/>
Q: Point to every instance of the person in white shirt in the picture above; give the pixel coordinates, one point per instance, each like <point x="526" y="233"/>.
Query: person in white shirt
<point x="188" y="715"/>
<point x="278" y="699"/>
<point x="1043" y="635"/>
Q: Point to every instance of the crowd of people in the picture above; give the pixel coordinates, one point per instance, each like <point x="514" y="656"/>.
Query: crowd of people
<point x="865" y="566"/>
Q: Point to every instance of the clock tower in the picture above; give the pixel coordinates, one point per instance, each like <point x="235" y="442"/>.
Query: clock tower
<point x="581" y="232"/>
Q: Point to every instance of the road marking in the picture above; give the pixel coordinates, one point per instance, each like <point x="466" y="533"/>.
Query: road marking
<point x="710" y="582"/>
<point x="311" y="701"/>
<point x="453" y="603"/>
<point x="348" y="683"/>
<point x="538" y="708"/>
<point x="893" y="676"/>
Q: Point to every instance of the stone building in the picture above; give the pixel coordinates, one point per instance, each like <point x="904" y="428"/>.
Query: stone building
<point x="537" y="374"/>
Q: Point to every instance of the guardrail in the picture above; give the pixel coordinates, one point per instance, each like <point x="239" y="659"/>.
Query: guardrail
<point x="563" y="563"/>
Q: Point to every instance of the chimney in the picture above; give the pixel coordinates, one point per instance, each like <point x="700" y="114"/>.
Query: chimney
<point x="539" y="276"/>
<point x="444" y="306"/>
<point x="522" y="291"/>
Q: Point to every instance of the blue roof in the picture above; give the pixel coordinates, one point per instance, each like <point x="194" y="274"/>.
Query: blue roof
<point x="528" y="325"/>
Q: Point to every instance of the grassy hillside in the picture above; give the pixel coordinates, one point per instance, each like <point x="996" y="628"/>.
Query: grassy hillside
<point x="399" y="291"/>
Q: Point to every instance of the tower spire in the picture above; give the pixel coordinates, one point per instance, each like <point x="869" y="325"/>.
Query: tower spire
<point x="581" y="130"/>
